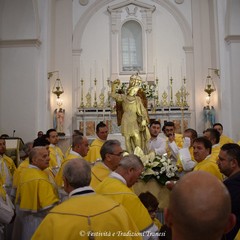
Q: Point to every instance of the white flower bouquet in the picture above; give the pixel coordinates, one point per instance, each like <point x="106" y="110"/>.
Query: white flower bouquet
<point x="149" y="90"/>
<point x="156" y="167"/>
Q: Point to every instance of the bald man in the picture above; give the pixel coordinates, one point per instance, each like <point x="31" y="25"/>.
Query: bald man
<point x="202" y="212"/>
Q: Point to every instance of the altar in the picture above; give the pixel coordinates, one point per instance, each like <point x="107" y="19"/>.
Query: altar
<point x="86" y="119"/>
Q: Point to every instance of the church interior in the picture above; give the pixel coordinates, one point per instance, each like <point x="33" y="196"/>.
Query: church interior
<point x="64" y="67"/>
<point x="187" y="50"/>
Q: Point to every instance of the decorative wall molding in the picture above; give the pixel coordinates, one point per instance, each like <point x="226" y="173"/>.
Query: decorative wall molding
<point x="20" y="43"/>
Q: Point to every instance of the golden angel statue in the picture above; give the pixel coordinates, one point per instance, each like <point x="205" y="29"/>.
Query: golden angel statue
<point x="132" y="114"/>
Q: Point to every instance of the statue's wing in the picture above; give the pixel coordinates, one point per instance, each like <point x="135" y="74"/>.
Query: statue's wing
<point x="119" y="110"/>
<point x="143" y="97"/>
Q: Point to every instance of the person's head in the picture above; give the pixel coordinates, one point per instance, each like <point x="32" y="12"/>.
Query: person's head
<point x="229" y="159"/>
<point x="39" y="134"/>
<point x="102" y="131"/>
<point x="218" y="127"/>
<point x="169" y="128"/>
<point x="190" y="133"/>
<point x="155" y="128"/>
<point x="150" y="202"/>
<point x="41" y="142"/>
<point x="213" y="135"/>
<point x="39" y="157"/>
<point x="80" y="145"/>
<point x="27" y="147"/>
<point x="76" y="174"/>
<point x="111" y="153"/>
<point x="202" y="147"/>
<point x="2" y="146"/>
<point x="76" y="132"/>
<point x="52" y="136"/>
<point x="199" y="208"/>
<point x="130" y="168"/>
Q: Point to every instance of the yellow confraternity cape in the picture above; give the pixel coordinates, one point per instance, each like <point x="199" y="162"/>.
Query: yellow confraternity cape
<point x="35" y="192"/>
<point x="94" y="151"/>
<point x="209" y="165"/>
<point x="58" y="178"/>
<point x="55" y="153"/>
<point x="99" y="172"/>
<point x="118" y="191"/>
<point x="81" y="215"/>
<point x="10" y="166"/>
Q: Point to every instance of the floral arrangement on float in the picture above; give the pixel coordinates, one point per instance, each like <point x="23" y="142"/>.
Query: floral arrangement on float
<point x="149" y="90"/>
<point x="156" y="167"/>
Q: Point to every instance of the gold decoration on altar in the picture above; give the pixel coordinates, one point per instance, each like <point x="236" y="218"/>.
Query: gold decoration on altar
<point x="157" y="103"/>
<point x="89" y="100"/>
<point x="102" y="98"/>
<point x="164" y="101"/>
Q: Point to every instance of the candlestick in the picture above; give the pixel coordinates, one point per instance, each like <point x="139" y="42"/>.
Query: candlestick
<point x="82" y="103"/>
<point x="95" y="93"/>
<point x="109" y="93"/>
<point x="171" y="93"/>
<point x="103" y="77"/>
<point x="90" y="79"/>
<point x="157" y="101"/>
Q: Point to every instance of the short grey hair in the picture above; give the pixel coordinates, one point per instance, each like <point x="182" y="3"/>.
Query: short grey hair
<point x="131" y="161"/>
<point x="77" y="140"/>
<point x="77" y="173"/>
<point x="34" y="152"/>
<point x="108" y="147"/>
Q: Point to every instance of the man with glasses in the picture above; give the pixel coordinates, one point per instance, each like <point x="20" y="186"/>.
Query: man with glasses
<point x="229" y="164"/>
<point x="118" y="187"/>
<point x="111" y="154"/>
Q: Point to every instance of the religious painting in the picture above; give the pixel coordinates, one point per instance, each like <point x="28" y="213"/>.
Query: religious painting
<point x="178" y="124"/>
<point x="90" y="128"/>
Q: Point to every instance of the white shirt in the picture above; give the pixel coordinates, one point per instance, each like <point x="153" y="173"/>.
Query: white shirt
<point x="158" y="145"/>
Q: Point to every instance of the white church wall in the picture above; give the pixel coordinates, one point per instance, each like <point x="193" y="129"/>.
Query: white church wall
<point x="18" y="87"/>
<point x="17" y="20"/>
<point x="168" y="43"/>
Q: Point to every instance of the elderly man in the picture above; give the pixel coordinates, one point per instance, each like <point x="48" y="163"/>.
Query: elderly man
<point x="117" y="186"/>
<point x="94" y="151"/>
<point x="202" y="212"/>
<point x="35" y="196"/>
<point x="229" y="165"/>
<point x="85" y="214"/>
<point x="7" y="167"/>
<point x="201" y="150"/>
<point x="111" y="154"/>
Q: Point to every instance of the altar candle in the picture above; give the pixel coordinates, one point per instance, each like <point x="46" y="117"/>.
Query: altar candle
<point x="90" y="79"/>
<point x="103" y="77"/>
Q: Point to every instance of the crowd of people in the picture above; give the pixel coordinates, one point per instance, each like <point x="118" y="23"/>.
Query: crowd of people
<point x="87" y="192"/>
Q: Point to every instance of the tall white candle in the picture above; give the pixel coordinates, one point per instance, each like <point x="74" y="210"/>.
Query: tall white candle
<point x="90" y="79"/>
<point x="103" y="77"/>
